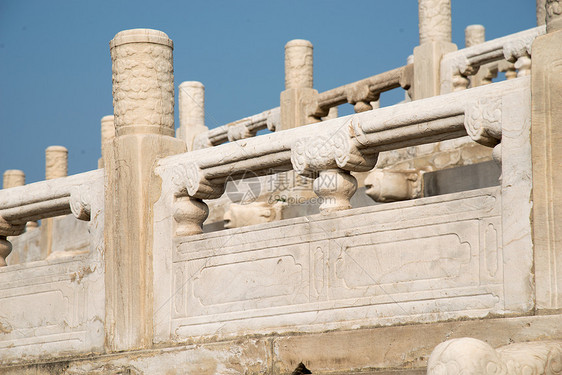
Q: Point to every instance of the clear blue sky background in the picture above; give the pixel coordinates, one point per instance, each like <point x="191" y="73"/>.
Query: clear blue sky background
<point x="55" y="68"/>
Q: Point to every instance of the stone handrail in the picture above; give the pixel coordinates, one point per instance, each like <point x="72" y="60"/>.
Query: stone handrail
<point x="359" y="94"/>
<point x="362" y="92"/>
<point x="45" y="199"/>
<point x="336" y="147"/>
<point x="516" y="48"/>
<point x="243" y="128"/>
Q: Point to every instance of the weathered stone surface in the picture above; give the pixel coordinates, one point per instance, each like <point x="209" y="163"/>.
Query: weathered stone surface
<point x="143" y="99"/>
<point x="399" y="350"/>
<point x="547" y="159"/>
<point x="191" y="106"/>
<point x="321" y="268"/>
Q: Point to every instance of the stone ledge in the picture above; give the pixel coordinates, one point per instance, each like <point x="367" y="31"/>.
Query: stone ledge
<point x="396" y="350"/>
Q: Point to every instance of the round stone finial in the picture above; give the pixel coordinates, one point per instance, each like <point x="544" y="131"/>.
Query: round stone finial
<point x="191" y="100"/>
<point x="143" y="82"/>
<point x="298" y="64"/>
<point x="56" y="162"/>
<point x="434" y="21"/>
<point x="141" y="36"/>
<point x="474" y="34"/>
<point x="13" y="178"/>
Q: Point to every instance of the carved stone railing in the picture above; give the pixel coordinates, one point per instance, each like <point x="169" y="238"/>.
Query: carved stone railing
<point x="45" y="199"/>
<point x="243" y="128"/>
<point x="296" y="273"/>
<point x="516" y="48"/>
<point x="335" y="147"/>
<point x="360" y="94"/>
<point x="53" y="305"/>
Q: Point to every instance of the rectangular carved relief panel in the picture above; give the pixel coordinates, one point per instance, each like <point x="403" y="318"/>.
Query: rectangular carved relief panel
<point x="50" y="307"/>
<point x="431" y="259"/>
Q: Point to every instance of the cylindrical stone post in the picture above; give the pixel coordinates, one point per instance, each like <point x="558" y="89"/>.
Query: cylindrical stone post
<point x="143" y="106"/>
<point x="435" y="42"/>
<point x="56" y="162"/>
<point x="191" y="108"/>
<point x="191" y="104"/>
<point x="299" y="98"/>
<point x="107" y="135"/>
<point x="541" y="12"/>
<point x="107" y="129"/>
<point x="434" y="21"/>
<point x="474" y="34"/>
<point x="56" y="166"/>
<point x="298" y="64"/>
<point x="143" y="82"/>
<point x="13" y="178"/>
<point x="546" y="138"/>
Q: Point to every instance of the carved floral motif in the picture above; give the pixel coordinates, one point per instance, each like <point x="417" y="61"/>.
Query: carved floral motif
<point x="325" y="152"/>
<point x="483" y="121"/>
<point x="80" y="198"/>
<point x="189" y="179"/>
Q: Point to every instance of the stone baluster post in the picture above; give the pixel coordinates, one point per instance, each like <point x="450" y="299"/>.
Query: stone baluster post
<point x="546" y="138"/>
<point x="332" y="113"/>
<point x="56" y="166"/>
<point x="5" y="250"/>
<point x="56" y="162"/>
<point x="541" y="12"/>
<point x="510" y="71"/>
<point x="191" y="112"/>
<point x="107" y="135"/>
<point x="299" y="94"/>
<point x="12" y="178"/>
<point x="334" y="187"/>
<point x="435" y="41"/>
<point x="143" y="103"/>
<point x="474" y="35"/>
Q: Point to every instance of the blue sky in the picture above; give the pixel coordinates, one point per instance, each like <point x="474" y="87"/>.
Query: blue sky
<point x="55" y="68"/>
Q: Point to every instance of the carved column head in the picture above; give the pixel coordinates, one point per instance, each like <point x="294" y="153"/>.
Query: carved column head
<point x="191" y="104"/>
<point x="474" y="34"/>
<point x="56" y="162"/>
<point x="143" y="82"/>
<point x="107" y="134"/>
<point x="298" y="64"/>
<point x="553" y="15"/>
<point x="434" y="21"/>
<point x="13" y="178"/>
